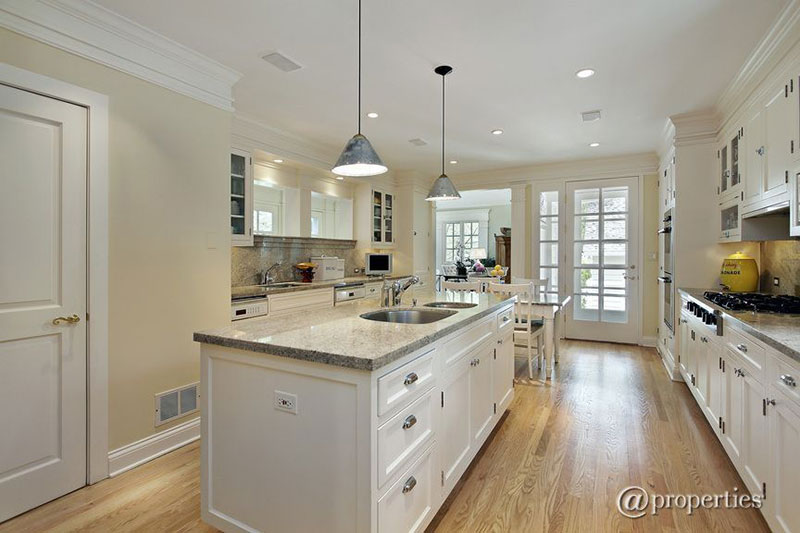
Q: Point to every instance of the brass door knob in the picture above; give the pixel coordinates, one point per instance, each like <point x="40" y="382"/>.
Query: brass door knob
<point x="74" y="319"/>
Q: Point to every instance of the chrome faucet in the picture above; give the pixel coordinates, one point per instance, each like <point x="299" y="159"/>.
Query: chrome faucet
<point x="266" y="277"/>
<point x="392" y="293"/>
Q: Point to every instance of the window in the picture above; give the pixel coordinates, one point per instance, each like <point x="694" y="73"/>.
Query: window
<point x="263" y="222"/>
<point x="315" y="220"/>
<point x="458" y="234"/>
<point x="548" y="239"/>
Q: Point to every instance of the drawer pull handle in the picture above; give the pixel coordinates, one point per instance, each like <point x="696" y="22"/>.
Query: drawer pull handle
<point x="499" y="341"/>
<point x="411" y="378"/>
<point x="742" y="347"/>
<point x="409" y="485"/>
<point x="789" y="380"/>
<point x="506" y="318"/>
<point x="409" y="422"/>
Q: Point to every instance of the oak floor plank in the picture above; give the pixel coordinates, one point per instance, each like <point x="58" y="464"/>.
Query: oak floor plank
<point x="556" y="462"/>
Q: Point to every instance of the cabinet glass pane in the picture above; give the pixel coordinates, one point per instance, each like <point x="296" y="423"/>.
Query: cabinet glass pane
<point x="723" y="165"/>
<point x="729" y="218"/>
<point x="735" y="176"/>
<point x="237" y="165"/>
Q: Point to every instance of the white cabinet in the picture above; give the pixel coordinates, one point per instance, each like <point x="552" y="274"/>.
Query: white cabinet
<point x="732" y="406"/>
<point x="305" y="300"/>
<point x="730" y="165"/>
<point x="480" y="387"/>
<point x="755" y="160"/>
<point x="779" y="124"/>
<point x="241" y="198"/>
<point x="456" y="433"/>
<point x="794" y="204"/>
<point x="382" y="217"/>
<point x="503" y="371"/>
<point x="730" y="220"/>
<point x="783" y="513"/>
<point x="409" y="504"/>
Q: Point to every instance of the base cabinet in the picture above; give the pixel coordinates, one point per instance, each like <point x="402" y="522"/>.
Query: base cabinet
<point x="456" y="431"/>
<point x="784" y="443"/>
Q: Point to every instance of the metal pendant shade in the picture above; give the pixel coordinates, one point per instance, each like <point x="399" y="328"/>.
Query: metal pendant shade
<point x="443" y="188"/>
<point x="359" y="158"/>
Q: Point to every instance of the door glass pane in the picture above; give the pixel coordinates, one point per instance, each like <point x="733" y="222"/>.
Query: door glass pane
<point x="551" y="275"/>
<point x="615" y="199"/>
<point x="587" y="253"/>
<point x="587" y="228"/>
<point x="615" y="227"/>
<point x="586" y="307"/>
<point x="587" y="201"/>
<point x="587" y="280"/>
<point x="548" y="253"/>
<point x="615" y="253"/>
<point x="548" y="203"/>
<point x="614" y="309"/>
<point x="614" y="279"/>
<point x="548" y="229"/>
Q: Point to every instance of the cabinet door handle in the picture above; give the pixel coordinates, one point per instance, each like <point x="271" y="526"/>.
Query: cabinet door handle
<point x="742" y="348"/>
<point x="499" y="341"/>
<point x="789" y="380"/>
<point x="409" y="422"/>
<point x="411" y="378"/>
<point x="760" y="150"/>
<point x="409" y="485"/>
<point x="74" y="319"/>
<point x="506" y="318"/>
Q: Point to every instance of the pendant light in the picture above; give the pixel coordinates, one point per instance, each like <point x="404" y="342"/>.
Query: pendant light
<point x="443" y="188"/>
<point x="359" y="158"/>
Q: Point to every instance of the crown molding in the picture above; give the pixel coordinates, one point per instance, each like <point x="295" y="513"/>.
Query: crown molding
<point x="251" y="134"/>
<point x="782" y="36"/>
<point x="89" y="30"/>
<point x="627" y="165"/>
<point x="696" y="127"/>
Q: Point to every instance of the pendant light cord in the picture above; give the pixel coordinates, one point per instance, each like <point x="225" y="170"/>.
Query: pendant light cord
<point x="359" y="67"/>
<point x="442" y="123"/>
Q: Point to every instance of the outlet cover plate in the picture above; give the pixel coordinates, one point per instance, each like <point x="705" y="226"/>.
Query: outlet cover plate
<point x="285" y="401"/>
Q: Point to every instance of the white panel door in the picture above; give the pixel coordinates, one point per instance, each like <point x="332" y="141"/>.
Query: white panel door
<point x="480" y="393"/>
<point x="602" y="254"/>
<point x="457" y="435"/>
<point x="42" y="276"/>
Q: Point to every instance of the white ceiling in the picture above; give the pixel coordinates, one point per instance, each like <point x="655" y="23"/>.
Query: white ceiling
<point x="514" y="65"/>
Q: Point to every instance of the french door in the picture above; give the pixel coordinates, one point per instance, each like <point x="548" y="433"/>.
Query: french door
<point x="602" y="247"/>
<point x="43" y="150"/>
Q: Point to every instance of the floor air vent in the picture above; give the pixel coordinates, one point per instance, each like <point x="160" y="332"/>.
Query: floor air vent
<point x="176" y="403"/>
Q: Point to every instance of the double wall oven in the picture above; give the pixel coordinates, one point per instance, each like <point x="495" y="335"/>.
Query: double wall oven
<point x="665" y="278"/>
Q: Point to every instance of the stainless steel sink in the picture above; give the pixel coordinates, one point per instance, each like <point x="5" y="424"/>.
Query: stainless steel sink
<point x="408" y="316"/>
<point x="450" y="305"/>
<point x="284" y="285"/>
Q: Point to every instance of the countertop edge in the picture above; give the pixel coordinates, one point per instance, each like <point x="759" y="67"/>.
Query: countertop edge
<point x="744" y="326"/>
<point x="332" y="359"/>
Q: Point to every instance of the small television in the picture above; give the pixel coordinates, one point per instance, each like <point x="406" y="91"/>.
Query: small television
<point x="378" y="264"/>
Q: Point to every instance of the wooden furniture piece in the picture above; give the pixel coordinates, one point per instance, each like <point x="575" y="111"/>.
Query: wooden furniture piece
<point x="502" y="246"/>
<point x="461" y="286"/>
<point x="525" y="329"/>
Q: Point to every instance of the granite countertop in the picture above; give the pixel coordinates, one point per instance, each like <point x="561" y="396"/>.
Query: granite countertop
<point x="779" y="331"/>
<point x="340" y="337"/>
<point x="248" y="291"/>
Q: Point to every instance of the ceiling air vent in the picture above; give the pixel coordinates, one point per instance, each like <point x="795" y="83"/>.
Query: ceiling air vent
<point x="418" y="142"/>
<point x="281" y="62"/>
<point x="590" y="116"/>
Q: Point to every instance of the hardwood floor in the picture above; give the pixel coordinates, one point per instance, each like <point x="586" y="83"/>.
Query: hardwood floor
<point x="609" y="419"/>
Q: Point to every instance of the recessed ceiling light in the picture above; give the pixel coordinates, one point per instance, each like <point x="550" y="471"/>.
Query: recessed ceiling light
<point x="340" y="178"/>
<point x="594" y="145"/>
<point x="372" y="114"/>
<point x="453" y="162"/>
<point x="277" y="160"/>
<point x="585" y="73"/>
<point x="497" y="132"/>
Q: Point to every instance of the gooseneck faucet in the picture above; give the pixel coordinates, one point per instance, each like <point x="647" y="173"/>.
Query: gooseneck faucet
<point x="392" y="293"/>
<point x="266" y="278"/>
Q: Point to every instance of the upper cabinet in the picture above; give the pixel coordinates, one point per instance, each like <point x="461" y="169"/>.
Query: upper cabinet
<point x="382" y="217"/>
<point x="730" y="164"/>
<point x="241" y="199"/>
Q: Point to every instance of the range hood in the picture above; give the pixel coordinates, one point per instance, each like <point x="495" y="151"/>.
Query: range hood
<point x="776" y="209"/>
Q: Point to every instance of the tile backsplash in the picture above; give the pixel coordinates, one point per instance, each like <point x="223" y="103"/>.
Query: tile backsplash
<point x="780" y="259"/>
<point x="247" y="263"/>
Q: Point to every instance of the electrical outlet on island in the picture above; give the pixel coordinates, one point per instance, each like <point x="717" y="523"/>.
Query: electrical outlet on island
<point x="285" y="401"/>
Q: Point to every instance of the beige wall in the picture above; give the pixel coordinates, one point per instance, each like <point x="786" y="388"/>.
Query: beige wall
<point x="649" y="272"/>
<point x="169" y="253"/>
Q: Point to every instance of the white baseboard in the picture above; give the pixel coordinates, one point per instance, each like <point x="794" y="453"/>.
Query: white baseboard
<point x="139" y="452"/>
<point x="652" y="342"/>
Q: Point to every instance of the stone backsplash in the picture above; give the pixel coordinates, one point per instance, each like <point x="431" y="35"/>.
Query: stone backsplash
<point x="780" y="259"/>
<point x="248" y="262"/>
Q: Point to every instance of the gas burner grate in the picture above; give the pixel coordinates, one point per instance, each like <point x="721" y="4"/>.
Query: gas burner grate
<point x="754" y="301"/>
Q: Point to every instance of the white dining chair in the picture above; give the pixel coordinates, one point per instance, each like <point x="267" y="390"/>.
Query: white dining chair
<point x="539" y="285"/>
<point x="461" y="286"/>
<point x="526" y="328"/>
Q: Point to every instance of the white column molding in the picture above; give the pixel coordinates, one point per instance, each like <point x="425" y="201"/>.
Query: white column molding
<point x="519" y="231"/>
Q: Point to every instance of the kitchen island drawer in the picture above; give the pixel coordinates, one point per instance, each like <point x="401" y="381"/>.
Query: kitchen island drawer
<point x="505" y="320"/>
<point x="752" y="354"/>
<point x="404" y="435"/>
<point x="404" y="384"/>
<point x="408" y="505"/>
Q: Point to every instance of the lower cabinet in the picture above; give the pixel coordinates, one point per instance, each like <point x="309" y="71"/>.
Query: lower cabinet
<point x="503" y="368"/>
<point x="456" y="418"/>
<point x="481" y="402"/>
<point x="784" y="443"/>
<point x="408" y="505"/>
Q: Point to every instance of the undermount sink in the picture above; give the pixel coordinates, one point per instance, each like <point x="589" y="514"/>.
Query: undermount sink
<point x="408" y="316"/>
<point x="284" y="285"/>
<point x="450" y="305"/>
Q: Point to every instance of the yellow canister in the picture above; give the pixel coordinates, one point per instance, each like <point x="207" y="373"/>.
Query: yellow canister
<point x="739" y="273"/>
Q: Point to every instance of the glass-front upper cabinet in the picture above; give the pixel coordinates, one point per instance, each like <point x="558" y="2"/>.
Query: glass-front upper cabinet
<point x="730" y="220"/>
<point x="382" y="217"/>
<point x="724" y="171"/>
<point x="241" y="199"/>
<point x="731" y="164"/>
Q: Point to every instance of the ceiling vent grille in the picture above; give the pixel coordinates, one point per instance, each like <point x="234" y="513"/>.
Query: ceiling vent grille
<point x="418" y="142"/>
<point x="591" y="116"/>
<point x="281" y="62"/>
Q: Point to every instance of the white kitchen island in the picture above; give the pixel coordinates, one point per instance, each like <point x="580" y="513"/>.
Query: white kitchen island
<point x="326" y="421"/>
